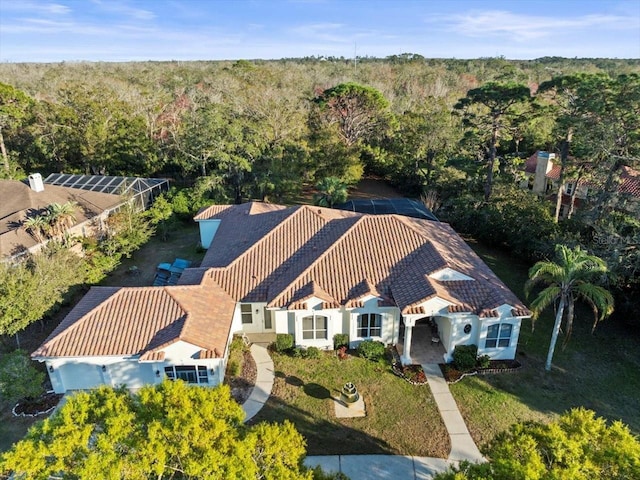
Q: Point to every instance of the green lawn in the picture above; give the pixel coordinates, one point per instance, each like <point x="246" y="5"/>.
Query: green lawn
<point x="600" y="371"/>
<point x="401" y="418"/>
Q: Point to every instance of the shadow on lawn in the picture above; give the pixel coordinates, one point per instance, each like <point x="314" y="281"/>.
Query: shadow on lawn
<point x="323" y="436"/>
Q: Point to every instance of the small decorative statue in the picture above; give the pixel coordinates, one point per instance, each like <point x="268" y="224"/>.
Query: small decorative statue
<point x="350" y="394"/>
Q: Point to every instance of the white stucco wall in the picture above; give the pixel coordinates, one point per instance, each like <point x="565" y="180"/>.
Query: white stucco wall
<point x="340" y="320"/>
<point x="208" y="229"/>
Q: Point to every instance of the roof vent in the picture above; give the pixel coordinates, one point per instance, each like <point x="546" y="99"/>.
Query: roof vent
<point x="35" y="182"/>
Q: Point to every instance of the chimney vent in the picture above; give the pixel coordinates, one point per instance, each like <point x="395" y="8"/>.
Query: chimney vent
<point x="35" y="182"/>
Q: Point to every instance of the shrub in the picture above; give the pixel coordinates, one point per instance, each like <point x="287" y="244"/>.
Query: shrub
<point x="340" y="340"/>
<point x="371" y="349"/>
<point x="284" y="342"/>
<point x="483" y="361"/>
<point x="312" y="352"/>
<point x="233" y="368"/>
<point x="297" y="352"/>
<point x="464" y="357"/>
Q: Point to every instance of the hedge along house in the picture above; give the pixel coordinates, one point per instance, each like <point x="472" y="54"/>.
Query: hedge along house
<point x="306" y="271"/>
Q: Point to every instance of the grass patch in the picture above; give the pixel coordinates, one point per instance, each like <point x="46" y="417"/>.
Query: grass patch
<point x="182" y="242"/>
<point x="600" y="372"/>
<point x="401" y="418"/>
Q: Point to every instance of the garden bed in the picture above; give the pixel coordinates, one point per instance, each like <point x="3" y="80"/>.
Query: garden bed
<point x="40" y="406"/>
<point x="452" y="375"/>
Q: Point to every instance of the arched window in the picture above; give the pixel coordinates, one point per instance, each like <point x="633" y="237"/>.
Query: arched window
<point x="314" y="327"/>
<point x="369" y="325"/>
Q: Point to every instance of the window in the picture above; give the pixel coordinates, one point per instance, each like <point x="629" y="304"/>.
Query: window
<point x="369" y="325"/>
<point x="190" y="374"/>
<point x="314" y="327"/>
<point x="246" y="313"/>
<point x="569" y="188"/>
<point x="498" y="335"/>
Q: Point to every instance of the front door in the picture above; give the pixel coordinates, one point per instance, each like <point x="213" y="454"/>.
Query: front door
<point x="268" y="320"/>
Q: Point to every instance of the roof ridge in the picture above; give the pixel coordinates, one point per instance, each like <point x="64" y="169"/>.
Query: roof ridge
<point x="263" y="239"/>
<point x="180" y="303"/>
<point x="322" y="255"/>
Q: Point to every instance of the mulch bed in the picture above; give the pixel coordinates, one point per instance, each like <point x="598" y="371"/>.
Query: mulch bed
<point x="242" y="385"/>
<point x="452" y="375"/>
<point x="40" y="406"/>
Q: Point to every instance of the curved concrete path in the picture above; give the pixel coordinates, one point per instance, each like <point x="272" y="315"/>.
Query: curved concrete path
<point x="380" y="467"/>
<point x="264" y="381"/>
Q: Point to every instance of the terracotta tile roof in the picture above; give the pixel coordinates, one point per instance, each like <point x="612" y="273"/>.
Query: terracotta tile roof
<point x="520" y="312"/>
<point x="554" y="173"/>
<point x="458" y="309"/>
<point x="629" y="181"/>
<point x="152" y="356"/>
<point x="344" y="256"/>
<point x="141" y="321"/>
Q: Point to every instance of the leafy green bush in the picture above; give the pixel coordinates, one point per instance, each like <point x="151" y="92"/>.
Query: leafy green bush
<point x="233" y="368"/>
<point x="465" y="356"/>
<point x="484" y="361"/>
<point x="340" y="340"/>
<point x="297" y="352"/>
<point x="371" y="349"/>
<point x="284" y="342"/>
<point x="312" y="352"/>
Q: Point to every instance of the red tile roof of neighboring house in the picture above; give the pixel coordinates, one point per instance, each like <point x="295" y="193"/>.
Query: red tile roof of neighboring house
<point x="142" y="321"/>
<point x="629" y="181"/>
<point x="343" y="256"/>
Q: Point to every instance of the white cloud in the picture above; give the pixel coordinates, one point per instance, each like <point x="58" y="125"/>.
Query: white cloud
<point x="35" y="8"/>
<point x="122" y="8"/>
<point x="526" y="27"/>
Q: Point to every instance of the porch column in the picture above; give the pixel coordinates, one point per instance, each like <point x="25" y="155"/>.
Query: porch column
<point x="406" y="346"/>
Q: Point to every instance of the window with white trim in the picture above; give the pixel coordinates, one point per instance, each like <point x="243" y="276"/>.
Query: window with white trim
<point x="188" y="373"/>
<point x="369" y="325"/>
<point x="314" y="327"/>
<point x="498" y="335"/>
<point x="246" y="312"/>
<point x="568" y="189"/>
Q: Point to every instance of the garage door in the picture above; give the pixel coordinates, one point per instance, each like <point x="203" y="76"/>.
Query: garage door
<point x="80" y="376"/>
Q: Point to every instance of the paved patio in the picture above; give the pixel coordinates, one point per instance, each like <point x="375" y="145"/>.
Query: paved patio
<point x="423" y="351"/>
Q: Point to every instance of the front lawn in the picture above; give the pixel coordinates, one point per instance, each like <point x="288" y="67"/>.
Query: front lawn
<point x="600" y="372"/>
<point x="401" y="418"/>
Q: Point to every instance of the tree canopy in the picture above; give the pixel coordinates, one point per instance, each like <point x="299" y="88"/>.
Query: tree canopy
<point x="579" y="446"/>
<point x="166" y="431"/>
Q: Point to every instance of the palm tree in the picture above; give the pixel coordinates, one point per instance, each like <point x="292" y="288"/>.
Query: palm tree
<point x="61" y="216"/>
<point x="331" y="190"/>
<point x="37" y="226"/>
<point x="567" y="280"/>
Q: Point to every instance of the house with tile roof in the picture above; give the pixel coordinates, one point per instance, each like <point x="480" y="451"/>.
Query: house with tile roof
<point x="306" y="271"/>
<point x="542" y="175"/>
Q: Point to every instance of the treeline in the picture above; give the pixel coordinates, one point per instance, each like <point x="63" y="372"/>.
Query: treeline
<point x="457" y="130"/>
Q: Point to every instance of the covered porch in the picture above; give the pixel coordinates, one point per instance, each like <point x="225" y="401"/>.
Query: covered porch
<point x="423" y="340"/>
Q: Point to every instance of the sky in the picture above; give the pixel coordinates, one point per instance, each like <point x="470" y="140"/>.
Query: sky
<point x="133" y="30"/>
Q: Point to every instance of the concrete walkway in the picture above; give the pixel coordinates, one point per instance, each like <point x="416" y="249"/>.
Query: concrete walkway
<point x="380" y="467"/>
<point x="264" y="381"/>
<point x="462" y="445"/>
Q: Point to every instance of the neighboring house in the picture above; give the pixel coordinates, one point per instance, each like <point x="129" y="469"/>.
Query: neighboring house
<point x="96" y="197"/>
<point x="306" y="271"/>
<point x="542" y="175"/>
